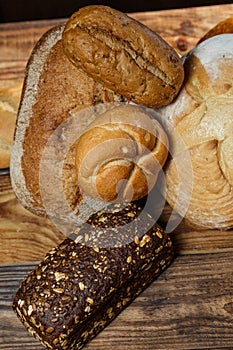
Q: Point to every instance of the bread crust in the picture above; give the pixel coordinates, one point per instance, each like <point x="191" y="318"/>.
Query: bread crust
<point x="200" y="123"/>
<point x="123" y="55"/>
<point x="54" y="91"/>
<point x="223" y="27"/>
<point x="78" y="289"/>
<point x="120" y="154"/>
<point x="20" y="174"/>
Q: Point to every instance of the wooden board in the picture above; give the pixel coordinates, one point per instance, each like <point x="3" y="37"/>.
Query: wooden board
<point x="190" y="306"/>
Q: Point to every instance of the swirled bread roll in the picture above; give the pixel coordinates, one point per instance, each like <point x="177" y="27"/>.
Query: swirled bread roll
<point x="123" y="55"/>
<point x="54" y="94"/>
<point x="120" y="154"/>
<point x="200" y="121"/>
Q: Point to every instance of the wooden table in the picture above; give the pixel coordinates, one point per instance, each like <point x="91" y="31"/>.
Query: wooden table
<point x="190" y="306"/>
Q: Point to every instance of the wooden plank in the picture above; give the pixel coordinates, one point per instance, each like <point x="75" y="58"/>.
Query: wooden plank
<point x="189" y="306"/>
<point x="187" y="239"/>
<point x="27" y="237"/>
<point x="16" y="43"/>
<point x="182" y="28"/>
<point x="23" y="236"/>
<point x="17" y="226"/>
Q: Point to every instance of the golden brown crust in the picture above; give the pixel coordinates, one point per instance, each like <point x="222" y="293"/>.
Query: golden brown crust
<point x="56" y="96"/>
<point x="54" y="91"/>
<point x="123" y="55"/>
<point x="223" y="27"/>
<point x="120" y="154"/>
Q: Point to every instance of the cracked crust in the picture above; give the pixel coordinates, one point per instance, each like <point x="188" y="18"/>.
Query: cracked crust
<point x="123" y="55"/>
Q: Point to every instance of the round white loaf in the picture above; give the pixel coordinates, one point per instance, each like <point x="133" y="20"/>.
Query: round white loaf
<point x="200" y="120"/>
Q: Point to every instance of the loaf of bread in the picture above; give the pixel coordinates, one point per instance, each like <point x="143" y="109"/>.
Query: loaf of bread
<point x="86" y="281"/>
<point x="199" y="176"/>
<point x="223" y="27"/>
<point x="123" y="55"/>
<point x="54" y="91"/>
<point x="57" y="93"/>
<point x="9" y="103"/>
<point x="120" y="154"/>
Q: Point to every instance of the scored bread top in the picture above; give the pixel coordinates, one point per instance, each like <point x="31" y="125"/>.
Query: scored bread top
<point x="121" y="153"/>
<point x="124" y="55"/>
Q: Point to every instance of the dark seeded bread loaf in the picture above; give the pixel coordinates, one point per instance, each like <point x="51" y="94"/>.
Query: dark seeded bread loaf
<point x="80" y="288"/>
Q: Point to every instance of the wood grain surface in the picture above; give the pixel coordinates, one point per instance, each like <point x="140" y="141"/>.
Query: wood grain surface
<point x="190" y="306"/>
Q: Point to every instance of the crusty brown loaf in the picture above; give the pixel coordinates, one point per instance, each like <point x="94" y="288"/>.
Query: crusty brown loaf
<point x="201" y="121"/>
<point x="120" y="154"/>
<point x="223" y="27"/>
<point x="9" y="103"/>
<point x="123" y="55"/>
<point x="78" y="289"/>
<point x="54" y="90"/>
